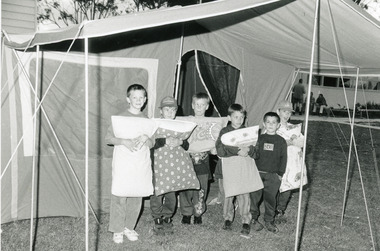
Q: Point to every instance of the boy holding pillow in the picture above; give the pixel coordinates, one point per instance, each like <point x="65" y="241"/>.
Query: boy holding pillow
<point x="172" y="169"/>
<point x="131" y="159"/>
<point x="236" y="117"/>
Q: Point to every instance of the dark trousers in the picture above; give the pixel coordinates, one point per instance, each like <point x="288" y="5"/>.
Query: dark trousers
<point x="272" y="183"/>
<point x="283" y="199"/>
<point x="193" y="202"/>
<point x="163" y="205"/>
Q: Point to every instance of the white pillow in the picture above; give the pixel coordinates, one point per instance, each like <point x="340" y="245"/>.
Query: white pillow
<point x="132" y="127"/>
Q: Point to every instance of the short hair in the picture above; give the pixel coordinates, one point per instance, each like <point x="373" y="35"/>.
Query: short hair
<point x="300" y="80"/>
<point x="236" y="108"/>
<point x="136" y="87"/>
<point x="272" y="114"/>
<point x="201" y="95"/>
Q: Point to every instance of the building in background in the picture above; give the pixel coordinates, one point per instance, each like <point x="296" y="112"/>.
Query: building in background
<point x="18" y="16"/>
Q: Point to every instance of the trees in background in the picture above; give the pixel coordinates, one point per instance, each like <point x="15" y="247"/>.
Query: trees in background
<point x="62" y="13"/>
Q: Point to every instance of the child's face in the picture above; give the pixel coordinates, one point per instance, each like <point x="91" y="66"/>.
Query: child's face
<point x="271" y="125"/>
<point x="168" y="112"/>
<point x="136" y="99"/>
<point x="237" y="119"/>
<point x="284" y="115"/>
<point x="200" y="107"/>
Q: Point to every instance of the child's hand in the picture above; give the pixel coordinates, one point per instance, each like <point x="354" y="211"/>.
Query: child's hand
<point x="213" y="151"/>
<point x="173" y="142"/>
<point x="243" y="151"/>
<point x="140" y="141"/>
<point x="129" y="144"/>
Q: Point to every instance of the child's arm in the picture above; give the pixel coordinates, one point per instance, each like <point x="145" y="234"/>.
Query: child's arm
<point x="283" y="158"/>
<point x="223" y="150"/>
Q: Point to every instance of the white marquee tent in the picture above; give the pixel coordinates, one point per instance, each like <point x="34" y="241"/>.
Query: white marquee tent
<point x="82" y="73"/>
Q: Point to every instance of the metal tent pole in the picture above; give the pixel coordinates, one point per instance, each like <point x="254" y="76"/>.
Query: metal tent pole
<point x="306" y="123"/>
<point x="87" y="126"/>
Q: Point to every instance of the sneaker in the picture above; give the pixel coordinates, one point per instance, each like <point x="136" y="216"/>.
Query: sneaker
<point x="186" y="219"/>
<point x="118" y="237"/>
<point x="280" y="217"/>
<point x="227" y="225"/>
<point x="257" y="226"/>
<point x="131" y="234"/>
<point x="271" y="227"/>
<point x="158" y="228"/>
<point x="168" y="225"/>
<point x="197" y="220"/>
<point x="245" y="229"/>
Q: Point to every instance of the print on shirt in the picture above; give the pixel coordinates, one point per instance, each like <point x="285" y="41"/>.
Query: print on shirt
<point x="268" y="147"/>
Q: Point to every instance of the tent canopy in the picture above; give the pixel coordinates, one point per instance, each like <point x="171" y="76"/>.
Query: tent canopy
<point x="277" y="30"/>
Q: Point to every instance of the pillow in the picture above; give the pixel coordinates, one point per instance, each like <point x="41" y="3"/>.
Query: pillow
<point x="173" y="128"/>
<point x="203" y="137"/>
<point x="132" y="127"/>
<point x="291" y="130"/>
<point x="241" y="137"/>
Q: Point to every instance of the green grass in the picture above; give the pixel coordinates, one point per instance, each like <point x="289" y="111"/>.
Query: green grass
<point x="320" y="227"/>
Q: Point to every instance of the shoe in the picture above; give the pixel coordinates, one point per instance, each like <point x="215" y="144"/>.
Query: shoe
<point x="257" y="226"/>
<point x="158" y="228"/>
<point x="227" y="225"/>
<point x="245" y="229"/>
<point x="186" y="219"/>
<point x="118" y="237"/>
<point x="132" y="235"/>
<point x="197" y="220"/>
<point x="280" y="217"/>
<point x="168" y="225"/>
<point x="271" y="227"/>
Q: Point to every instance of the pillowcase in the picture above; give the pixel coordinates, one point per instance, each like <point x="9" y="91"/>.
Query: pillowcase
<point x="132" y="127"/>
<point x="203" y="138"/>
<point x="292" y="129"/>
<point x="241" y="137"/>
<point x="173" y="128"/>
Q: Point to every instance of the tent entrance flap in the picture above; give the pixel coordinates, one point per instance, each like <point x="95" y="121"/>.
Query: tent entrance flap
<point x="202" y="72"/>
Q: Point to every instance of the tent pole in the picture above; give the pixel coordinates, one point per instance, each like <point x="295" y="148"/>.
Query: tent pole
<point x="87" y="125"/>
<point x="296" y="244"/>
<point x="54" y="133"/>
<point x="179" y="62"/>
<point x="295" y="74"/>
<point x="34" y="149"/>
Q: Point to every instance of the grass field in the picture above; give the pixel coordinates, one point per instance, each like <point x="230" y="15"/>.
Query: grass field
<point x="320" y="229"/>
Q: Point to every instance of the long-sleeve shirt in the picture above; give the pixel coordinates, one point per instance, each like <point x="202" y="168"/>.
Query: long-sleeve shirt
<point x="273" y="154"/>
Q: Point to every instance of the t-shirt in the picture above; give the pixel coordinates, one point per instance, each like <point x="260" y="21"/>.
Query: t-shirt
<point x="273" y="154"/>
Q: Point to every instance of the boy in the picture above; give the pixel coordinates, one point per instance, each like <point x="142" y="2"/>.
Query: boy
<point x="163" y="206"/>
<point x="236" y="116"/>
<point x="124" y="211"/>
<point x="294" y="160"/>
<point x="271" y="165"/>
<point x="193" y="202"/>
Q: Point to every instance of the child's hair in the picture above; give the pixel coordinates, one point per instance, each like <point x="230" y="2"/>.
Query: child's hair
<point x="272" y="114"/>
<point x="236" y="108"/>
<point x="135" y="87"/>
<point x="201" y="95"/>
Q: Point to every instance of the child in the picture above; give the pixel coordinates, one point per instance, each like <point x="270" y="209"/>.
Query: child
<point x="124" y="211"/>
<point x="193" y="202"/>
<point x="163" y="206"/>
<point x="294" y="151"/>
<point x="271" y="165"/>
<point x="236" y="116"/>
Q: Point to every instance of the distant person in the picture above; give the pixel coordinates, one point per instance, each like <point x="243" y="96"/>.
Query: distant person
<point x="129" y="155"/>
<point x="312" y="103"/>
<point x="320" y="104"/>
<point x="271" y="164"/>
<point x="298" y="92"/>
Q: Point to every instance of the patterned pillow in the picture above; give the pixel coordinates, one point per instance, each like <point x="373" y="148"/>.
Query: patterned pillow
<point x="241" y="137"/>
<point x="205" y="134"/>
<point x="173" y="128"/>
